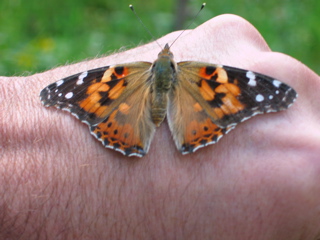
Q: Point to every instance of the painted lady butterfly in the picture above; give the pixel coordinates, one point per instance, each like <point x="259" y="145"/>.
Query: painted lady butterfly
<point x="123" y="104"/>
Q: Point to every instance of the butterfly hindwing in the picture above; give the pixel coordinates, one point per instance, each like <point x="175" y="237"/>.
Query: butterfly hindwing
<point x="196" y="129"/>
<point x="128" y="128"/>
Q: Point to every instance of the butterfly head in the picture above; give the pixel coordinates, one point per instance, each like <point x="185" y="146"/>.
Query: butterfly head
<point x="166" y="53"/>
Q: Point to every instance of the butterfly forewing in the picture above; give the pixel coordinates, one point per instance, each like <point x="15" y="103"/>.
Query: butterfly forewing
<point x="68" y="93"/>
<point x="92" y="95"/>
<point x="231" y="95"/>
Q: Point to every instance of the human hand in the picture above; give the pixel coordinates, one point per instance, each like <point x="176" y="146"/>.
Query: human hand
<point x="260" y="181"/>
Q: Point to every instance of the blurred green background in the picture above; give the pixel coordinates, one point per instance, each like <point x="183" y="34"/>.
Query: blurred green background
<point x="39" y="35"/>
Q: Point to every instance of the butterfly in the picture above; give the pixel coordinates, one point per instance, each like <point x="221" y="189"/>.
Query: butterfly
<point x="123" y="104"/>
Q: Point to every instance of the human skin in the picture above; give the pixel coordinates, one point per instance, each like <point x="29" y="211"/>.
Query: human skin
<point x="260" y="181"/>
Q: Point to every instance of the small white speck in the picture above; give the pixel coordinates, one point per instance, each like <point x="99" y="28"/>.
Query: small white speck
<point x="74" y="114"/>
<point x="56" y="90"/>
<point x="81" y="77"/>
<point x="69" y="95"/>
<point x="259" y="98"/>
<point x="252" y="79"/>
<point x="277" y="92"/>
<point x="270" y="97"/>
<point x="66" y="109"/>
<point x="276" y="83"/>
<point x="60" y="82"/>
<point x="60" y="94"/>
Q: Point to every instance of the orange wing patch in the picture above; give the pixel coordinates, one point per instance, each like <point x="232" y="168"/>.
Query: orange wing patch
<point x="221" y="94"/>
<point x="219" y="74"/>
<point x="92" y="104"/>
<point x="116" y="91"/>
<point x="115" y="73"/>
<point x="124" y="108"/>
<point x="206" y="91"/>
<point x="197" y="107"/>
<point x="104" y="89"/>
<point x="231" y="104"/>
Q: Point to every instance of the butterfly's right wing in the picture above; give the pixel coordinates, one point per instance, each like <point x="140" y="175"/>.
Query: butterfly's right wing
<point x="209" y="100"/>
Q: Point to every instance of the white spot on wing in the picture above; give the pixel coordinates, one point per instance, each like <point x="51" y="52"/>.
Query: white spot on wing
<point x="276" y="83"/>
<point x="270" y="97"/>
<point x="259" y="98"/>
<point x="81" y="77"/>
<point x="69" y="95"/>
<point x="252" y="79"/>
<point x="60" y="82"/>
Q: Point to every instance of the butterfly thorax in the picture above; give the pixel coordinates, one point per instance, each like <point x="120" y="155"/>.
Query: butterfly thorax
<point x="163" y="72"/>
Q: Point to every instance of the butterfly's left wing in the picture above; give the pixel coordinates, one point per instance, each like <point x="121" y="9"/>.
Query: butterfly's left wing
<point x="209" y="100"/>
<point x="113" y="101"/>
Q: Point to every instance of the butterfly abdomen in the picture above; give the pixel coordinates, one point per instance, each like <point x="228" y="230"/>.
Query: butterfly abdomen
<point x="159" y="108"/>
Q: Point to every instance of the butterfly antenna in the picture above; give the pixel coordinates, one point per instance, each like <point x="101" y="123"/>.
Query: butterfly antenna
<point x="194" y="18"/>
<point x="144" y="26"/>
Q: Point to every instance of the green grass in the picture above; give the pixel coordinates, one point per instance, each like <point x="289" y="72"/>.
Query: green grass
<point x="40" y="35"/>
